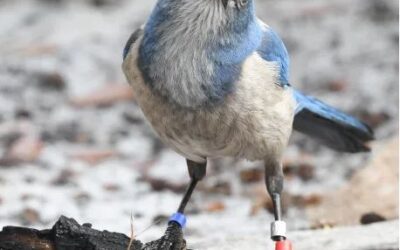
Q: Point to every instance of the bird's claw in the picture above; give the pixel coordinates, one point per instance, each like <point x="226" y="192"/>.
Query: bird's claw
<point x="172" y="240"/>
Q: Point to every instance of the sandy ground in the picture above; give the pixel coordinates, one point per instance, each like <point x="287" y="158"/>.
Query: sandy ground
<point x="65" y="152"/>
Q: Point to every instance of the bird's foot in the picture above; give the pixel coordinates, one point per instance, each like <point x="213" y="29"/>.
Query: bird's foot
<point x="172" y="239"/>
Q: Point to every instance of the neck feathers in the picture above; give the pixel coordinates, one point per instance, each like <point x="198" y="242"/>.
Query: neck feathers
<point x="192" y="51"/>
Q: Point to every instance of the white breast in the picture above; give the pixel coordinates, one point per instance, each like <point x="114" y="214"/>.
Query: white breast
<point x="254" y="122"/>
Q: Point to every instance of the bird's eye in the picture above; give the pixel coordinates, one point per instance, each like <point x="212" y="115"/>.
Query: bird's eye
<point x="238" y="4"/>
<point x="241" y="3"/>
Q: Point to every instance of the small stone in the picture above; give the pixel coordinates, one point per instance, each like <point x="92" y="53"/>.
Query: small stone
<point x="88" y="225"/>
<point x="111" y="187"/>
<point x="370" y="218"/>
<point x="23" y="113"/>
<point x="51" y="81"/>
<point x="63" y="178"/>
<point x="82" y="198"/>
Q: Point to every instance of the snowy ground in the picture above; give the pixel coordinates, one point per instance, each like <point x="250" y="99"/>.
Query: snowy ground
<point x="101" y="163"/>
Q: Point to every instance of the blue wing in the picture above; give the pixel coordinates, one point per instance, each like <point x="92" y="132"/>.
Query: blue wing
<point x="330" y="126"/>
<point x="273" y="49"/>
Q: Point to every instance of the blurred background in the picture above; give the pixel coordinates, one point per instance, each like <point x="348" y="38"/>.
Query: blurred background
<point x="73" y="142"/>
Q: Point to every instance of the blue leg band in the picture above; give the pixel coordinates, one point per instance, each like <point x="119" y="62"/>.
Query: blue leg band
<point x="178" y="218"/>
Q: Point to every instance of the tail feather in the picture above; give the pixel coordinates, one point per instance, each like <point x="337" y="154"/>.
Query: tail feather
<point x="330" y="126"/>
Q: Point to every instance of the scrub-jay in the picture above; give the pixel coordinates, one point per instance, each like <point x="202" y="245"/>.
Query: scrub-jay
<point x="213" y="80"/>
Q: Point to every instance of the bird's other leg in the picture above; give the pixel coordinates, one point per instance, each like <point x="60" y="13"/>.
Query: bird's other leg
<point x="274" y="182"/>
<point x="173" y="237"/>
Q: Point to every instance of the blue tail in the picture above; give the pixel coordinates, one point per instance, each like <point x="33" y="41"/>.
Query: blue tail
<point x="330" y="126"/>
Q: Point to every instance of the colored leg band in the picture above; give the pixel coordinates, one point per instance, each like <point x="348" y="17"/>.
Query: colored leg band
<point x="278" y="229"/>
<point x="178" y="218"/>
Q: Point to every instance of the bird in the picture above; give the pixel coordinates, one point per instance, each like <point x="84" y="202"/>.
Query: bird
<point x="213" y="81"/>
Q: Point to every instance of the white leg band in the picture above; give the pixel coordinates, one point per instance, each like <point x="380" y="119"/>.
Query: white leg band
<point x="278" y="228"/>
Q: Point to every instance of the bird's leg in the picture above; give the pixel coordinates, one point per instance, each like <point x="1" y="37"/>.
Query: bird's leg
<point x="173" y="237"/>
<point x="197" y="171"/>
<point x="274" y="182"/>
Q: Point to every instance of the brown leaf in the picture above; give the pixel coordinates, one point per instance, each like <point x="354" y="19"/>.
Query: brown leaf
<point x="374" y="119"/>
<point x="216" y="206"/>
<point x="306" y="201"/>
<point x="161" y="185"/>
<point x="93" y="156"/>
<point x="105" y="96"/>
<point x="40" y="49"/>
<point x="251" y="175"/>
<point x="337" y="85"/>
<point x="23" y="150"/>
<point x="220" y="187"/>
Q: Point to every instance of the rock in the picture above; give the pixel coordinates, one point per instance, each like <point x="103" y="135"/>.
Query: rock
<point x="372" y="189"/>
<point x="65" y="234"/>
<point x="370" y="218"/>
<point x="51" y="81"/>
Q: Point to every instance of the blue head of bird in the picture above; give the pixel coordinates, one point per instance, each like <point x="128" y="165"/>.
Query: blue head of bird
<point x="192" y="50"/>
